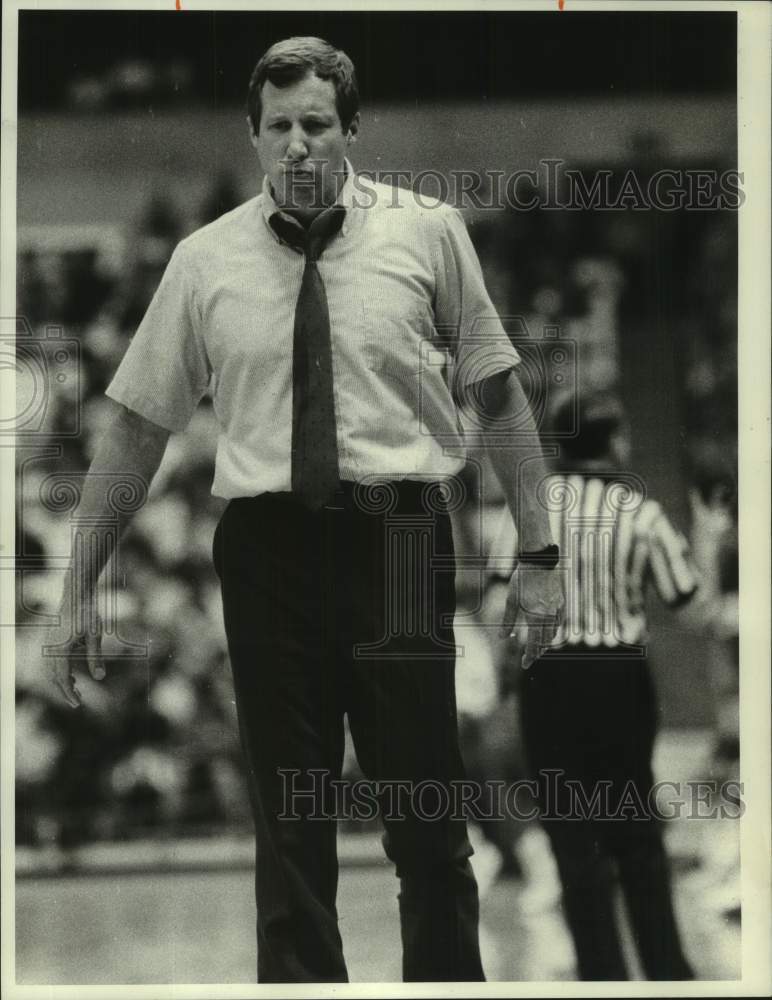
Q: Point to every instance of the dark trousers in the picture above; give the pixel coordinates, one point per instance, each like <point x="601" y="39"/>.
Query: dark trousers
<point x="300" y="591"/>
<point x="592" y="720"/>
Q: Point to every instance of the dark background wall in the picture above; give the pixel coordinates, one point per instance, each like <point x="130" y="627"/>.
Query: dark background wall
<point x="407" y="56"/>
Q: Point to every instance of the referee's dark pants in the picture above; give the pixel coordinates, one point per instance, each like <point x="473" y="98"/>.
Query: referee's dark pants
<point x="300" y="591"/>
<point x="591" y="719"/>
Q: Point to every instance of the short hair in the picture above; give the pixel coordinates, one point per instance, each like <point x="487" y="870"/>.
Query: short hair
<point x="586" y="422"/>
<point x="292" y="59"/>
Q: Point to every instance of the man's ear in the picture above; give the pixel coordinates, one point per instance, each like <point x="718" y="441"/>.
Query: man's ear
<point x="252" y="133"/>
<point x="353" y="129"/>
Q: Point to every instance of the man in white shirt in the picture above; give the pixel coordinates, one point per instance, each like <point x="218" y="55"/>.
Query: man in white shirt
<point x="339" y="326"/>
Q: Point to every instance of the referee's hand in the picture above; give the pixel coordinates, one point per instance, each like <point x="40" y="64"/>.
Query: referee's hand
<point x="534" y="610"/>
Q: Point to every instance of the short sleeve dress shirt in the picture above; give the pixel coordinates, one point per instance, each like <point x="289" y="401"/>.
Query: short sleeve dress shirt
<point x="411" y="326"/>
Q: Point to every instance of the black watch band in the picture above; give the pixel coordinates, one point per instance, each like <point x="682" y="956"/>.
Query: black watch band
<point x="546" y="558"/>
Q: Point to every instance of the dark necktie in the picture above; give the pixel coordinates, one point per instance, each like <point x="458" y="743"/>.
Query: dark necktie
<point x="315" y="473"/>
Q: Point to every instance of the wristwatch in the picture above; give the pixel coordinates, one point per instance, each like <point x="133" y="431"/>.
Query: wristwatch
<point x="546" y="558"/>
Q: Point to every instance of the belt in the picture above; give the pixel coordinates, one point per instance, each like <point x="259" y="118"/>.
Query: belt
<point x="372" y="496"/>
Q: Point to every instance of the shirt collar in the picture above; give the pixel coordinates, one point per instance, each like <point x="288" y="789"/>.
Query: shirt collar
<point x="345" y="198"/>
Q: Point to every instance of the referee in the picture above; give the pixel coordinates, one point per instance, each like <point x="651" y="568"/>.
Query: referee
<point x="588" y="704"/>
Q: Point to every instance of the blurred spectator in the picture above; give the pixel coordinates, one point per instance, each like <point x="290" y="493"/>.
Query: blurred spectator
<point x="223" y="195"/>
<point x="132" y="83"/>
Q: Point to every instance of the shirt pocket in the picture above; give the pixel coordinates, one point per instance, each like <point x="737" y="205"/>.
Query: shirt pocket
<point x="396" y="336"/>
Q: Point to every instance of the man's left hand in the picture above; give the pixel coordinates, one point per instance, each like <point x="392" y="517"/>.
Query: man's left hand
<point x="534" y="610"/>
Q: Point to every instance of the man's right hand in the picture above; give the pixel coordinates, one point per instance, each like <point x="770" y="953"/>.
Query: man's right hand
<point x="130" y="450"/>
<point x="81" y="644"/>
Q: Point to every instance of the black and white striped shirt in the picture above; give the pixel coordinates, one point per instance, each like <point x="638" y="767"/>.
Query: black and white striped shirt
<point x="614" y="541"/>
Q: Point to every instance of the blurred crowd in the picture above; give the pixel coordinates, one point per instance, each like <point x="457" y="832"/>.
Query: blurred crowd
<point x="156" y="749"/>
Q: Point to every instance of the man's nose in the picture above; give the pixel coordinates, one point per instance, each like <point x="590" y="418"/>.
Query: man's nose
<point x="297" y="148"/>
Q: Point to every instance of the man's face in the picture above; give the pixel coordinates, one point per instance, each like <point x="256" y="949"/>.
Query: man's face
<point x="301" y="144"/>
